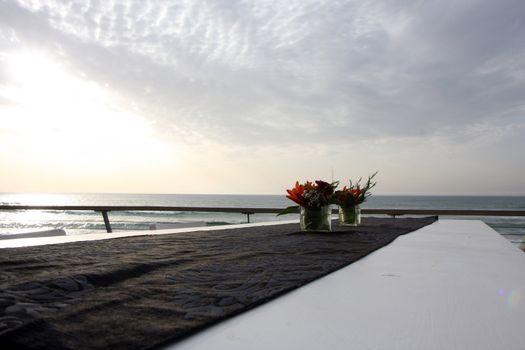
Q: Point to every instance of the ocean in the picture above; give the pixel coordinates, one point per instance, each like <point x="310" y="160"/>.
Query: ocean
<point x="81" y="222"/>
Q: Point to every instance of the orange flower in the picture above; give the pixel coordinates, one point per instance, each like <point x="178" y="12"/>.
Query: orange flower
<point x="296" y="194"/>
<point x="311" y="194"/>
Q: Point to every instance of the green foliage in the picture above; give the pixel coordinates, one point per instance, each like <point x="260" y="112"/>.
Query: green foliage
<point x="291" y="210"/>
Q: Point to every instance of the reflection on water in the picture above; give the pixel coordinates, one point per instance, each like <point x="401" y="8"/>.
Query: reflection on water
<point x="36" y="199"/>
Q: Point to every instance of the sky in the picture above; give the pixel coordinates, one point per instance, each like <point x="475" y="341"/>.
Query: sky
<point x="246" y="97"/>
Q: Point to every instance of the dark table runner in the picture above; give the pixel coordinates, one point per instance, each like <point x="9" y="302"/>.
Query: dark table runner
<point x="142" y="292"/>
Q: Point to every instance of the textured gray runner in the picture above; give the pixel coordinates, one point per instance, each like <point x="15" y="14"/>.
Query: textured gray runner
<point x="143" y="292"/>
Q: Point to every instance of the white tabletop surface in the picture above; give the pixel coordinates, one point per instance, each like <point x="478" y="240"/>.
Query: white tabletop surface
<point x="456" y="284"/>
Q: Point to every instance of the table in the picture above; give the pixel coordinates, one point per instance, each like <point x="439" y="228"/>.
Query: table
<point x="456" y="284"/>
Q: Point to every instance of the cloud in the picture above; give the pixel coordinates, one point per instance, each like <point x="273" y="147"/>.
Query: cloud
<point x="274" y="72"/>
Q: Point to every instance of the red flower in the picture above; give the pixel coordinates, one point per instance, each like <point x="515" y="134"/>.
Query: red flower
<point x="296" y="193"/>
<point x="311" y="194"/>
<point x="354" y="194"/>
<point x="324" y="187"/>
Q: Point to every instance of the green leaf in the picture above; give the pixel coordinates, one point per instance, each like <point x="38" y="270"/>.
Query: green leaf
<point x="290" y="210"/>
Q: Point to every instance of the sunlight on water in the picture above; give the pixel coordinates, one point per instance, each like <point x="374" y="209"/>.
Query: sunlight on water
<point x="34" y="215"/>
<point x="36" y="199"/>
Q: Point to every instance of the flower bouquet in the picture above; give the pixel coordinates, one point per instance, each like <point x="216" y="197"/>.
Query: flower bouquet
<point x="349" y="198"/>
<point x="313" y="199"/>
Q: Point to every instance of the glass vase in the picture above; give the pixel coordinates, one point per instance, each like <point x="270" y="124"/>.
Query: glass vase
<point x="349" y="215"/>
<point x="316" y="219"/>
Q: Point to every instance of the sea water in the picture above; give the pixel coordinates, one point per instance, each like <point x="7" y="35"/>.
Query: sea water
<point x="80" y="222"/>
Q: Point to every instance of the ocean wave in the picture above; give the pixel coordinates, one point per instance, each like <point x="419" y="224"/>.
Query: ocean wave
<point x="150" y="213"/>
<point x="80" y="212"/>
<point x="220" y="223"/>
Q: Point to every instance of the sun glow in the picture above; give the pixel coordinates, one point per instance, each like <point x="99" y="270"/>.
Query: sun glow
<point x="59" y="117"/>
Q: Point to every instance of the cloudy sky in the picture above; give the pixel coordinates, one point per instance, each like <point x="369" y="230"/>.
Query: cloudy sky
<point x="226" y="96"/>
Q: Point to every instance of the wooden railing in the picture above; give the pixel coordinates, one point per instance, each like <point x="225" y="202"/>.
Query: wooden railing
<point x="104" y="210"/>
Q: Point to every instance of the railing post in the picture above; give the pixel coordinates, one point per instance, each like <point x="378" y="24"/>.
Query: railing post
<point x="106" y="220"/>
<point x="248" y="215"/>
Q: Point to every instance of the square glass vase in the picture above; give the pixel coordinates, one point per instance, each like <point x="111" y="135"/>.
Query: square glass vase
<point x="349" y="215"/>
<point x="319" y="220"/>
